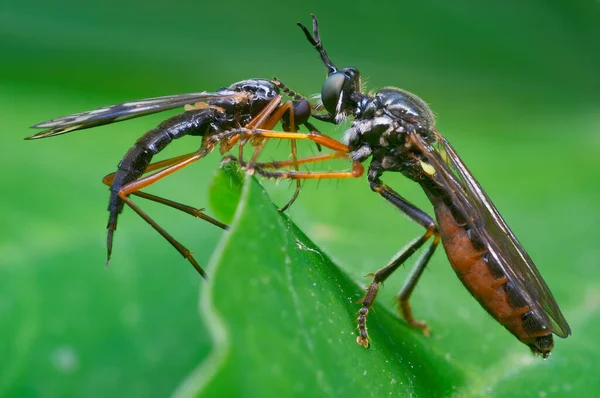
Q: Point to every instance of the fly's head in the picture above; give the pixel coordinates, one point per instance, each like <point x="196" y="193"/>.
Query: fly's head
<point x="341" y="93"/>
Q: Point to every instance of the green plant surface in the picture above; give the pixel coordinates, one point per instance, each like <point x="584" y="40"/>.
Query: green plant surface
<point x="514" y="86"/>
<point x="282" y="319"/>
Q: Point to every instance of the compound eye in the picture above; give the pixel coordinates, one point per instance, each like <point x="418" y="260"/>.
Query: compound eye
<point x="331" y="91"/>
<point x="301" y="111"/>
<point x="301" y="115"/>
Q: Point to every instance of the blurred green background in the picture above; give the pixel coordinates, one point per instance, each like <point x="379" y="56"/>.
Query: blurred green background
<point x="515" y="86"/>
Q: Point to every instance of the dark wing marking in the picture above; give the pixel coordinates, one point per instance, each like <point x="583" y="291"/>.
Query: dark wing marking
<point x="123" y="111"/>
<point x="483" y="217"/>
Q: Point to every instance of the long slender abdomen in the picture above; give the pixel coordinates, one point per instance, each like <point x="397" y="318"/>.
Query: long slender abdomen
<point x="140" y="155"/>
<point x="488" y="284"/>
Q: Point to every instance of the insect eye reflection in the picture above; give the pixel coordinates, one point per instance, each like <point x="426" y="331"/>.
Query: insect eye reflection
<point x="332" y="90"/>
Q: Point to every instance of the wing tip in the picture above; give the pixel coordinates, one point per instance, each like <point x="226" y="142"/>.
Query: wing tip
<point x="560" y="327"/>
<point x="36" y="136"/>
<point x="564" y="332"/>
<point x="43" y="134"/>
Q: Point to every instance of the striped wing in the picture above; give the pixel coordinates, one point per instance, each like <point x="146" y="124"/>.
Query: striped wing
<point x="123" y="111"/>
<point x="468" y="197"/>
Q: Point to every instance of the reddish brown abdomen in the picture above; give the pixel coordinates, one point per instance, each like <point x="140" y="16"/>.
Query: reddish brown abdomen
<point x="488" y="284"/>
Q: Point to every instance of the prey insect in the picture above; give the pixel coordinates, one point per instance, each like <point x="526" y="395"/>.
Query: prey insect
<point x="396" y="129"/>
<point x="214" y="117"/>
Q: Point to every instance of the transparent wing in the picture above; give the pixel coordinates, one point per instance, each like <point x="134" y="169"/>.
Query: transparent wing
<point x="483" y="217"/>
<point x="123" y="111"/>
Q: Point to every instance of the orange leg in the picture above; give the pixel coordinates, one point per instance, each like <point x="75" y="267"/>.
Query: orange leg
<point x="271" y="122"/>
<point x="268" y="125"/>
<point x="313" y="136"/>
<point x="311" y="159"/>
<point x="182" y="161"/>
<point x="137" y="185"/>
<point x="257" y="121"/>
<point x="288" y="106"/>
<point x="357" y="171"/>
<point x="144" y="182"/>
<point x="298" y="185"/>
<point x="319" y="139"/>
<point x="171" y="166"/>
<point x="193" y="211"/>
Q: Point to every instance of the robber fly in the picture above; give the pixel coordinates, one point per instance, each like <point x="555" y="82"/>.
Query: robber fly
<point x="255" y="103"/>
<point x="396" y="129"/>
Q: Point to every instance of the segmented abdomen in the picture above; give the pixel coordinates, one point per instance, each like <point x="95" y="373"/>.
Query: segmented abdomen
<point x="488" y="284"/>
<point x="135" y="161"/>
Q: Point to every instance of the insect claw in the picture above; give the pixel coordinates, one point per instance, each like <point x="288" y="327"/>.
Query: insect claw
<point x="364" y="341"/>
<point x="421" y="327"/>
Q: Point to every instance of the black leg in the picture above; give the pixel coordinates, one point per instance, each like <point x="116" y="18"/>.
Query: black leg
<point x="380" y="276"/>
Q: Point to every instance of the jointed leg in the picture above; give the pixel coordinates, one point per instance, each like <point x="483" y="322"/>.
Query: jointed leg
<point x="227" y="140"/>
<point x="193" y="211"/>
<point x="357" y="171"/>
<point x="298" y="184"/>
<point x="268" y="125"/>
<point x="137" y="185"/>
<point x="287" y="107"/>
<point x="178" y="246"/>
<point x="171" y="166"/>
<point x="313" y="136"/>
<point x="307" y="160"/>
<point x="380" y="276"/>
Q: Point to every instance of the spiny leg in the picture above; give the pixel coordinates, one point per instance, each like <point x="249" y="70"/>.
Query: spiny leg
<point x="268" y="125"/>
<point x="328" y="142"/>
<point x="289" y="125"/>
<point x="193" y="211"/>
<point x="357" y="171"/>
<point x="178" y="246"/>
<point x="380" y="276"/>
<point x="262" y="120"/>
<point x="297" y="98"/>
<point x="412" y="280"/>
<point x="313" y="136"/>
<point x="137" y="185"/>
<point x="277" y="164"/>
<point x="287" y="107"/>
<point x="298" y="186"/>
<point x="228" y="139"/>
<point x="292" y="125"/>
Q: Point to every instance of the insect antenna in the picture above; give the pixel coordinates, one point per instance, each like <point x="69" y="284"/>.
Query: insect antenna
<point x="315" y="40"/>
<point x="289" y="92"/>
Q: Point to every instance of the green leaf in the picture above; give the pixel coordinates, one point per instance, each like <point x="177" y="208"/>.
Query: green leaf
<point x="225" y="190"/>
<point x="524" y="119"/>
<point x="283" y="318"/>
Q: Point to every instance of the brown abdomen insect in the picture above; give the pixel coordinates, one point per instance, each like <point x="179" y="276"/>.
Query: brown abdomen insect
<point x="488" y="284"/>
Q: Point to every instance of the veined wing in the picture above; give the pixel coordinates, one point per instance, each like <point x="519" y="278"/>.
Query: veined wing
<point x="481" y="215"/>
<point x="123" y="111"/>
